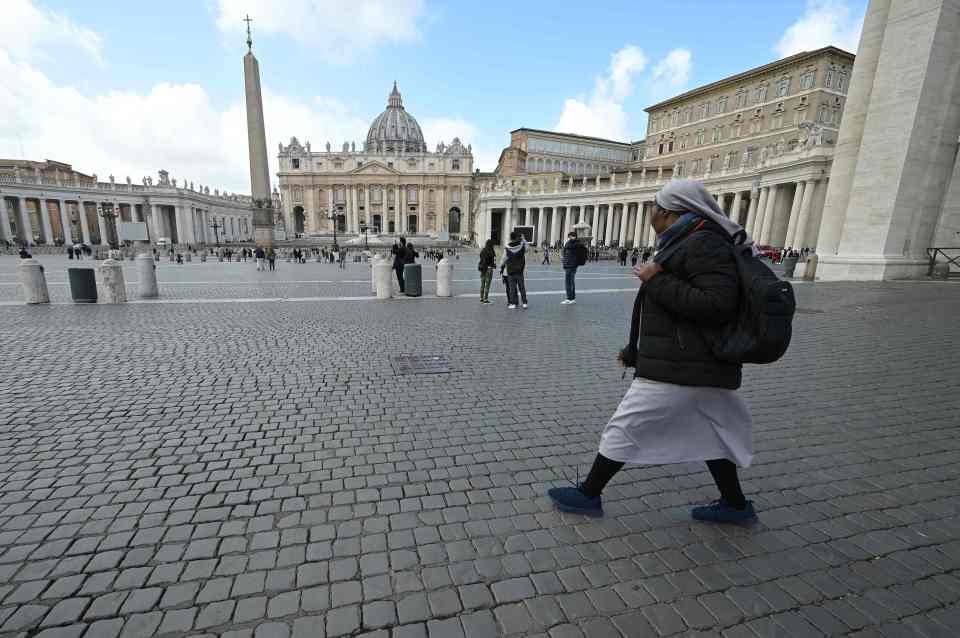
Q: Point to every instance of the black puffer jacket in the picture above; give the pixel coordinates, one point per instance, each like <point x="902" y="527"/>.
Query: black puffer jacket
<point x="698" y="290"/>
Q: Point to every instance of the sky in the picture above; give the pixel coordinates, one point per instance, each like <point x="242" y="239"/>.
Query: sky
<point x="129" y="88"/>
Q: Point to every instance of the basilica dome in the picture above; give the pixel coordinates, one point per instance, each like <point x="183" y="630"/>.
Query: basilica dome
<point x="395" y="129"/>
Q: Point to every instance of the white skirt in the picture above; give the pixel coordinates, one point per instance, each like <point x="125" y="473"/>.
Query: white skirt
<point x="658" y="423"/>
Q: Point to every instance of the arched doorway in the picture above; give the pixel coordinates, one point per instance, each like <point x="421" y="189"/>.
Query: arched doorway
<point x="341" y="222"/>
<point x="299" y="220"/>
<point x="412" y="224"/>
<point x="377" y="224"/>
<point x="393" y="227"/>
<point x="453" y="221"/>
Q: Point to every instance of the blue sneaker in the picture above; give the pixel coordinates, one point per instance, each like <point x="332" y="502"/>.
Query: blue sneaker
<point x="720" y="512"/>
<point x="571" y="499"/>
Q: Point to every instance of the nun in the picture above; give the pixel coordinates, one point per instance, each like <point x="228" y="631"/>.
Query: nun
<point x="682" y="405"/>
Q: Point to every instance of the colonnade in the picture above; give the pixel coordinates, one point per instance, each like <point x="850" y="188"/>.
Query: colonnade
<point x="782" y="214"/>
<point x="47" y="221"/>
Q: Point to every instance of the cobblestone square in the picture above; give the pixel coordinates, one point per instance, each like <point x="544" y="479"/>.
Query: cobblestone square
<point x="240" y="458"/>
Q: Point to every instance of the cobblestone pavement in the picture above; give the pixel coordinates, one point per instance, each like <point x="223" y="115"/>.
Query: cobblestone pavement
<point x="259" y="470"/>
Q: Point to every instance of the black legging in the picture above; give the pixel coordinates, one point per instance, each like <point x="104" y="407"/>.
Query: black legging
<point x="724" y="474"/>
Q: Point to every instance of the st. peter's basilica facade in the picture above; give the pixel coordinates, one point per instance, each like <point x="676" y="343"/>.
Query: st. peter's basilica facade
<point x="392" y="186"/>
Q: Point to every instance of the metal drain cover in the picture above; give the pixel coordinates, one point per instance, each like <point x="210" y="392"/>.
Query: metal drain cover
<point x="421" y="364"/>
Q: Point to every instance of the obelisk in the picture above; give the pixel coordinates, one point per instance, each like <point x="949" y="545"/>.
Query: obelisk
<point x="257" y="143"/>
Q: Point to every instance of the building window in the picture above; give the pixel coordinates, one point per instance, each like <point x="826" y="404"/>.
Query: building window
<point x="455" y="164"/>
<point x="700" y="137"/>
<point x="682" y="143"/>
<point x="777" y="121"/>
<point x="389" y="164"/>
<point x="359" y="164"/>
<point x="670" y="147"/>
<point x="841" y="81"/>
<point x="760" y="94"/>
<point x="828" y="81"/>
<point x="295" y="163"/>
<point x="338" y="164"/>
<point x="717" y="134"/>
<point x="695" y="166"/>
<point x="741" y="99"/>
<point x="412" y="195"/>
<point x="297" y="194"/>
<point x="722" y="105"/>
<point x="823" y="115"/>
<point x="783" y="86"/>
<point x="807" y="80"/>
<point x="678" y="171"/>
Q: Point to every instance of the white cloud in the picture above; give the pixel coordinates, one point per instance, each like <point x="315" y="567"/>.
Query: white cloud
<point x="31" y="33"/>
<point x="824" y="22"/>
<point x="602" y="114"/>
<point x="671" y="73"/>
<point x="337" y="29"/>
<point x="173" y="126"/>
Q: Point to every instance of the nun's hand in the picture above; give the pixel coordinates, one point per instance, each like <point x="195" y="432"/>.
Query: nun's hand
<point x="647" y="271"/>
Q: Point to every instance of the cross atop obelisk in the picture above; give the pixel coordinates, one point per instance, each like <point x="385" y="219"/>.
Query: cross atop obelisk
<point x="249" y="37"/>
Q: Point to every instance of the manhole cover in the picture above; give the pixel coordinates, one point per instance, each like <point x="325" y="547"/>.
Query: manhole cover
<point x="421" y="364"/>
<point x="808" y="311"/>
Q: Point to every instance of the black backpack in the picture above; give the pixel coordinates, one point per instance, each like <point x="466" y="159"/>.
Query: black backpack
<point x="763" y="327"/>
<point x="764" y="323"/>
<point x="581" y="254"/>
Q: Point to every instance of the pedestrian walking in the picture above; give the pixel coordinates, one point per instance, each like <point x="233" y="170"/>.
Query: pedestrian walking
<point x="682" y="405"/>
<point x="399" y="252"/>
<point x="343" y="259"/>
<point x="69" y="252"/>
<point x="574" y="256"/>
<point x="546" y="256"/>
<point x="258" y="253"/>
<point x="272" y="258"/>
<point x="488" y="262"/>
<point x="622" y="256"/>
<point x="634" y="256"/>
<point x="514" y="262"/>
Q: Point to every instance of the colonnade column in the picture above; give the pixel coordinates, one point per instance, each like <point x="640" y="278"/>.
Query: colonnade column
<point x="101" y="224"/>
<point x="638" y="226"/>
<point x="734" y="213"/>
<point x="794" y="214"/>
<point x="596" y="223"/>
<point x="755" y="214"/>
<point x="84" y="225"/>
<point x="624" y="220"/>
<point x="798" y="239"/>
<point x="65" y="223"/>
<point x="154" y="223"/>
<point x="608" y="227"/>
<point x="24" y="228"/>
<point x="5" y="221"/>
<point x="44" y="213"/>
<point x="555" y="226"/>
<point x="769" y="214"/>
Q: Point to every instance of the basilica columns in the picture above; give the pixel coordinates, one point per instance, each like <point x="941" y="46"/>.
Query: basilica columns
<point x="65" y="223"/>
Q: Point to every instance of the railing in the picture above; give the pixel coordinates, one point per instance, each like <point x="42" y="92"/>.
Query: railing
<point x="950" y="255"/>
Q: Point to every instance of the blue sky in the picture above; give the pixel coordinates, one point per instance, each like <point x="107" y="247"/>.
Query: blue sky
<point x="132" y="87"/>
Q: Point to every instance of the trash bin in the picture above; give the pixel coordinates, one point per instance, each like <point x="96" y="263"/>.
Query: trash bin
<point x="790" y="265"/>
<point x="83" y="285"/>
<point x="412" y="280"/>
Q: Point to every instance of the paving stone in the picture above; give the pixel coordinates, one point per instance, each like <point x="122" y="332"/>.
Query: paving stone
<point x="512" y="590"/>
<point x="479" y="624"/>
<point x="343" y="620"/>
<point x="178" y="620"/>
<point x="272" y="630"/>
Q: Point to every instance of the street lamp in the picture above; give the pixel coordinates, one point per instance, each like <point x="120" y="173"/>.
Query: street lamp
<point x="109" y="221"/>
<point x="216" y="226"/>
<point x="363" y="229"/>
<point x="332" y="216"/>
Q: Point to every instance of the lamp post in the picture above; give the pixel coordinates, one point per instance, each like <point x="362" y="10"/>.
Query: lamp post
<point x="363" y="229"/>
<point x="109" y="221"/>
<point x="216" y="226"/>
<point x="332" y="216"/>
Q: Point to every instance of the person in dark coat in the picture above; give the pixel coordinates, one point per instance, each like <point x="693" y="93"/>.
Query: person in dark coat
<point x="399" y="259"/>
<point x="514" y="263"/>
<point x="682" y="405"/>
<point x="488" y="262"/>
<point x="569" y="261"/>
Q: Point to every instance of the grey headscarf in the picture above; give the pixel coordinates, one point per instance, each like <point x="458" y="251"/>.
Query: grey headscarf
<point x="689" y="195"/>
